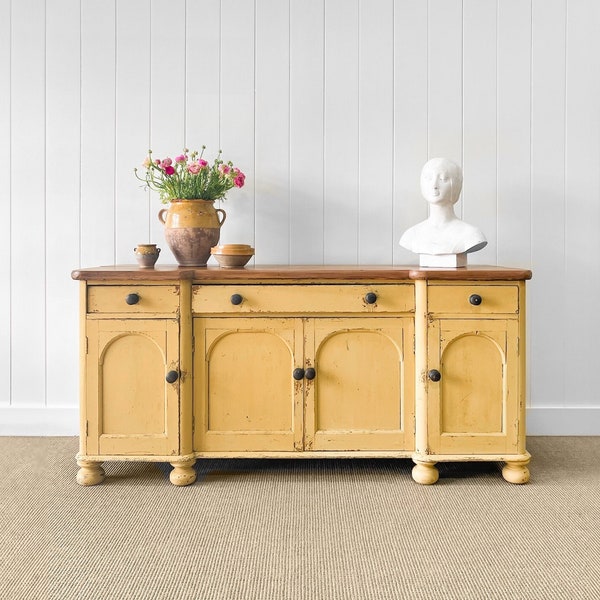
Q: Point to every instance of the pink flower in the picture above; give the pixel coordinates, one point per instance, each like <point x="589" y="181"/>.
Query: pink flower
<point x="169" y="170"/>
<point x="224" y="169"/>
<point x="194" y="168"/>
<point x="166" y="162"/>
<point x="181" y="158"/>
<point x="239" y="180"/>
<point x="203" y="163"/>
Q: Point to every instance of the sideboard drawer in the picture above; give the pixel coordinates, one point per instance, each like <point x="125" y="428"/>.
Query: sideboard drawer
<point x="473" y="299"/>
<point x="133" y="298"/>
<point x="303" y="299"/>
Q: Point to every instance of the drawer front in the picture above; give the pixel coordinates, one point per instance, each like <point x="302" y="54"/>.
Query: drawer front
<point x="473" y="299"/>
<point x="303" y="299"/>
<point x="135" y="299"/>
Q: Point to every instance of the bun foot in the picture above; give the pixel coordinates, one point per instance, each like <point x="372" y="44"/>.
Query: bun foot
<point x="183" y="472"/>
<point x="425" y="473"/>
<point x="516" y="471"/>
<point x="90" y="472"/>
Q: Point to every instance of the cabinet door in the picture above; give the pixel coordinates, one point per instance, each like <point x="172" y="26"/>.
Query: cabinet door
<point x="474" y="407"/>
<point x="362" y="396"/>
<point x="131" y="409"/>
<point x="245" y="397"/>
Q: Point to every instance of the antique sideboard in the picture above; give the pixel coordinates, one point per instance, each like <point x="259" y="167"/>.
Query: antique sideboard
<point x="183" y="363"/>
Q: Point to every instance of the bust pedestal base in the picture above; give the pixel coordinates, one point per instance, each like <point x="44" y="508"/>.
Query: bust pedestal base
<point x="443" y="260"/>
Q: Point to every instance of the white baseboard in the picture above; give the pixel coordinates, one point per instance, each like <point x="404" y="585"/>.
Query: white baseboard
<point x="547" y="420"/>
<point x="36" y="420"/>
<point x="39" y="421"/>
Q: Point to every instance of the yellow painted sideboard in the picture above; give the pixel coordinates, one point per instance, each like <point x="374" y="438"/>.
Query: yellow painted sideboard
<point x="180" y="364"/>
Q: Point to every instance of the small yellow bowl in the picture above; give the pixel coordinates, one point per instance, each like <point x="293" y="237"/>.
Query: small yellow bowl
<point x="231" y="256"/>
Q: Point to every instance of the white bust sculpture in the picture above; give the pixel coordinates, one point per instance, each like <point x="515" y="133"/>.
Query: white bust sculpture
<point x="442" y="240"/>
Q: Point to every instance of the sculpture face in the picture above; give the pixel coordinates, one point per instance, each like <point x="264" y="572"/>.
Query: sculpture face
<point x="441" y="181"/>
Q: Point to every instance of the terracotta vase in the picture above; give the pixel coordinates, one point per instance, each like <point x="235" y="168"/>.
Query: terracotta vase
<point x="192" y="228"/>
<point x="146" y="255"/>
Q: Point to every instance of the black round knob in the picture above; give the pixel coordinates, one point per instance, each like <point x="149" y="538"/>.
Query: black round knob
<point x="310" y="373"/>
<point x="370" y="297"/>
<point x="132" y="299"/>
<point x="236" y="299"/>
<point x="298" y="374"/>
<point x="172" y="376"/>
<point x="475" y="299"/>
<point x="434" y="375"/>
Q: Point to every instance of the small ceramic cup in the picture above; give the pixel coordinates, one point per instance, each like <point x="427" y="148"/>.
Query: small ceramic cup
<point x="146" y="255"/>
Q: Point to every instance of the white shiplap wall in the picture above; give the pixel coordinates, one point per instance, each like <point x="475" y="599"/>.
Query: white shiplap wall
<point x="331" y="107"/>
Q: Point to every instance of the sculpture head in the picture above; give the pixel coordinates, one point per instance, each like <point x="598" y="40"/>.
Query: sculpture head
<point x="441" y="181"/>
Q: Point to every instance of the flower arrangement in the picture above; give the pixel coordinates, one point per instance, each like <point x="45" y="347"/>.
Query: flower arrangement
<point x="190" y="177"/>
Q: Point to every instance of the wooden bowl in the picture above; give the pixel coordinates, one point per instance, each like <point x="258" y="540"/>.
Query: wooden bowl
<point x="232" y="256"/>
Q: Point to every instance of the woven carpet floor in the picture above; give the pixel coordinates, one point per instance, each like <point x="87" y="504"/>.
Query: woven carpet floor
<point x="303" y="529"/>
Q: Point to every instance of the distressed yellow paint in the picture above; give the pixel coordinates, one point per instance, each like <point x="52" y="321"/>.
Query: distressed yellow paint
<point x="303" y="299"/>
<point x="152" y="299"/>
<point x="131" y="408"/>
<point x="473" y="408"/>
<point x="236" y="395"/>
<point x="495" y="299"/>
<point x="243" y="386"/>
<point x="362" y="397"/>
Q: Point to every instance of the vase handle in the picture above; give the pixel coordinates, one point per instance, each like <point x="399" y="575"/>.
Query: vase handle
<point x="161" y="215"/>
<point x="221" y="212"/>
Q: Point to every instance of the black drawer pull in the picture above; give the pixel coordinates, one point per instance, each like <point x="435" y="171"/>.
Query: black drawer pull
<point x="172" y="376"/>
<point x="475" y="299"/>
<point x="434" y="375"/>
<point x="132" y="299"/>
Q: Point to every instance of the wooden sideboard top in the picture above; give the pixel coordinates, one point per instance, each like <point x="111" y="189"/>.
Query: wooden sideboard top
<point x="283" y="273"/>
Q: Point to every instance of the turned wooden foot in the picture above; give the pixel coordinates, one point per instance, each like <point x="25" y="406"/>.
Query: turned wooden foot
<point x="90" y="472"/>
<point x="183" y="472"/>
<point x="425" y="473"/>
<point x="516" y="471"/>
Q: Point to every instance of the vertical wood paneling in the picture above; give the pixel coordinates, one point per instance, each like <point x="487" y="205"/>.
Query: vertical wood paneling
<point x="62" y="197"/>
<point x="5" y="201"/>
<point x="28" y="210"/>
<point x="341" y="131"/>
<point x="479" y="204"/>
<point x="410" y="119"/>
<point x="202" y="61"/>
<point x="514" y="132"/>
<point x="272" y="131"/>
<point x="547" y="293"/>
<point x="238" y="116"/>
<point x="376" y="132"/>
<point x="98" y="133"/>
<point x="331" y="107"/>
<point x="167" y="77"/>
<point x="582" y="194"/>
<point x="306" y="130"/>
<point x="167" y="95"/>
<point x="132" y="114"/>
<point x="445" y="62"/>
